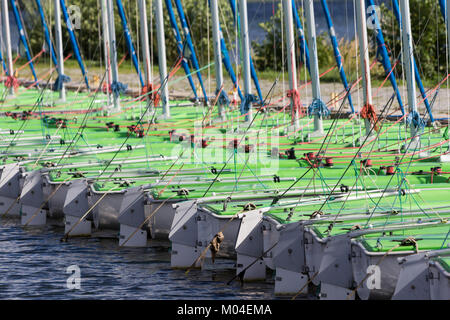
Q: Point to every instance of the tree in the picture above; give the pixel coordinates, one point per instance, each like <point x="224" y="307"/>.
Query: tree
<point x="89" y="36"/>
<point x="429" y="35"/>
<point x="270" y="53"/>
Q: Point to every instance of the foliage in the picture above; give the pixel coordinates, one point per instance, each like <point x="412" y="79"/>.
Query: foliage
<point x="89" y="36"/>
<point x="269" y="53"/>
<point x="429" y="34"/>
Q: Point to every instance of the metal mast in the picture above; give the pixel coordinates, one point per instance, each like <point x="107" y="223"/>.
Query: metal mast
<point x="292" y="70"/>
<point x="145" y="48"/>
<point x="113" y="55"/>
<point x="218" y="58"/>
<point x="246" y="107"/>
<point x="364" y="59"/>
<point x="7" y="39"/>
<point x="162" y="58"/>
<point x="408" y="63"/>
<point x="106" y="45"/>
<point x="59" y="50"/>
<point x="317" y="107"/>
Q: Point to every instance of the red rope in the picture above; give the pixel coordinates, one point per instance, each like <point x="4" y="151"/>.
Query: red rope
<point x="152" y="94"/>
<point x="47" y="73"/>
<point x="296" y="102"/>
<point x="122" y="60"/>
<point x="12" y="81"/>
<point x="34" y="58"/>
<point x="368" y="112"/>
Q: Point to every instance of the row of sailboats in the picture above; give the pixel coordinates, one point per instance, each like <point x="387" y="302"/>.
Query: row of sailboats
<point x="331" y="212"/>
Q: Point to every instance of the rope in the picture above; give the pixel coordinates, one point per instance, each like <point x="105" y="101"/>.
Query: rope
<point x="10" y="207"/>
<point x="118" y="88"/>
<point x="147" y="219"/>
<point x="60" y="80"/>
<point x="47" y="73"/>
<point x="34" y="58"/>
<point x="368" y="112"/>
<point x="43" y="203"/>
<point x="223" y="97"/>
<point x="66" y="235"/>
<point x="242" y="273"/>
<point x="218" y="237"/>
<point x="246" y="103"/>
<point x="306" y="284"/>
<point x="45" y="148"/>
<point x="294" y="94"/>
<point x="149" y="92"/>
<point x="12" y="82"/>
<point x="415" y="119"/>
<point x="319" y="108"/>
<point x="368" y="274"/>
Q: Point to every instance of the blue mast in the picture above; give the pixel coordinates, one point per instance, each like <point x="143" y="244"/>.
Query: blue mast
<point x="22" y="37"/>
<point x="76" y="50"/>
<point x="187" y="35"/>
<point x="227" y="63"/>
<point x="3" y="62"/>
<point x="301" y="36"/>
<point x="252" y="67"/>
<point x="176" y="31"/>
<point x="128" y="40"/>
<point x="337" y="53"/>
<point x="383" y="56"/>
<point x="443" y="6"/>
<point x="46" y="33"/>
<point x="416" y="70"/>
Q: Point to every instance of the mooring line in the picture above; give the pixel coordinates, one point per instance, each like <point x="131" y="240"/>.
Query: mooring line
<point x="147" y="219"/>
<point x="242" y="273"/>
<point x="45" y="148"/>
<point x="45" y="202"/>
<point x="368" y="274"/>
<point x="203" y="253"/>
<point x="306" y="284"/>
<point x="66" y="235"/>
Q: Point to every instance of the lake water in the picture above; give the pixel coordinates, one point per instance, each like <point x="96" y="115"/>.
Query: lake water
<point x="342" y="15"/>
<point x="33" y="265"/>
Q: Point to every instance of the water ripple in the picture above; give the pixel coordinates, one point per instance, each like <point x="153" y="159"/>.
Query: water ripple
<point x="33" y="264"/>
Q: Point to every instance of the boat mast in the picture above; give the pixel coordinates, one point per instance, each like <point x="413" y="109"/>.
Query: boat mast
<point x="364" y="60"/>
<point x="246" y="107"/>
<point x="408" y="64"/>
<point x="447" y="22"/>
<point x="317" y="107"/>
<point x="113" y="55"/>
<point x="1" y="45"/>
<point x="337" y="53"/>
<point x="7" y="39"/>
<point x="292" y="70"/>
<point x="162" y="58"/>
<point x="145" y="49"/>
<point x="106" y="44"/>
<point x="46" y="33"/>
<point x="222" y="99"/>
<point x="59" y="51"/>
